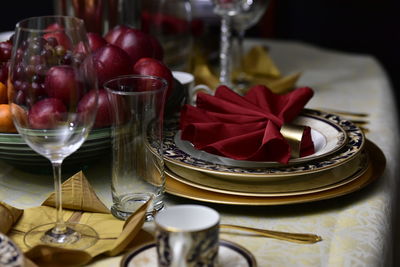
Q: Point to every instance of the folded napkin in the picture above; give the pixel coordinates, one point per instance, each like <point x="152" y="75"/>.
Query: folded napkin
<point x="81" y="205"/>
<point x="258" y="67"/>
<point x="245" y="127"/>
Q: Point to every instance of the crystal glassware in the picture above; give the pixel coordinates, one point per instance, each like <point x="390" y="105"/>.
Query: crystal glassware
<point x="242" y="21"/>
<point x="229" y="10"/>
<point x="226" y="9"/>
<point x="51" y="71"/>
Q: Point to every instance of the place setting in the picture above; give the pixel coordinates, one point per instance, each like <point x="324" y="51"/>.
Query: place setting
<point x="342" y="160"/>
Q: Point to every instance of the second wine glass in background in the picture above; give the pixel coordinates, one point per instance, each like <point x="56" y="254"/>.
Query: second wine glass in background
<point x="242" y="21"/>
<point x="170" y="22"/>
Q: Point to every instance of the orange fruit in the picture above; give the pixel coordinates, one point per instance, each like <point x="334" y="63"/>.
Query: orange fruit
<point x="3" y="93"/>
<point x="6" y="122"/>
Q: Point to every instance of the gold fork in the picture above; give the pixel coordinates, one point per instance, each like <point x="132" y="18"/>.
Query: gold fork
<point x="291" y="237"/>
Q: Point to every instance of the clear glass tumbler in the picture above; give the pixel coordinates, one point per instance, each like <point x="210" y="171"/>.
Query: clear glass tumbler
<point x="137" y="164"/>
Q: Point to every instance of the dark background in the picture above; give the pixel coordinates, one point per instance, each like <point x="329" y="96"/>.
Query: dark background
<point x="361" y="26"/>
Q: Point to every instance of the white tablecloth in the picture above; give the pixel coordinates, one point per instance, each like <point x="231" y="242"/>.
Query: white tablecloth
<point x="356" y="228"/>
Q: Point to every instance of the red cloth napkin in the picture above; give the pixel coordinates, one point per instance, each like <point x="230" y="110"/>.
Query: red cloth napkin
<point x="245" y="127"/>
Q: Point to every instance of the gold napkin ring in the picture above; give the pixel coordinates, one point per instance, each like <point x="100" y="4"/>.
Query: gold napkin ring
<point x="293" y="135"/>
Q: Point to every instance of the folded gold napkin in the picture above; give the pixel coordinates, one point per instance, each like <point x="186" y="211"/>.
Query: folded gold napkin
<point x="81" y="204"/>
<point x="258" y="67"/>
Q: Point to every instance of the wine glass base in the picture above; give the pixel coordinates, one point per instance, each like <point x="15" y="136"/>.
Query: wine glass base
<point x="77" y="236"/>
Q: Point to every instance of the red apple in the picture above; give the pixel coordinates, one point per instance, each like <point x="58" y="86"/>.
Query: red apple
<point x="115" y="33"/>
<point x="47" y="113"/>
<point x="54" y="26"/>
<point x="136" y="43"/>
<point x="61" y="82"/>
<point x="111" y="61"/>
<point x="88" y="102"/>
<point x="95" y="42"/>
<point x="5" y="51"/>
<point x="154" y="67"/>
<point x="61" y="37"/>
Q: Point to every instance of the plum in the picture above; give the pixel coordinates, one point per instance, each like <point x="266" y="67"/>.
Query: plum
<point x="154" y="67"/>
<point x="47" y="113"/>
<point x="61" y="82"/>
<point x="111" y="61"/>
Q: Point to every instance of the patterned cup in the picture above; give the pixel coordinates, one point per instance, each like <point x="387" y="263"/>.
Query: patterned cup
<point x="187" y="235"/>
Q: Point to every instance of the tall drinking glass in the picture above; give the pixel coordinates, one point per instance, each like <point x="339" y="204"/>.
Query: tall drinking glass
<point x="137" y="159"/>
<point x="51" y="69"/>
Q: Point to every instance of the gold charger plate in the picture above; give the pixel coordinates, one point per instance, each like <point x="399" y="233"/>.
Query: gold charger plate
<point x="298" y="185"/>
<point x="374" y="170"/>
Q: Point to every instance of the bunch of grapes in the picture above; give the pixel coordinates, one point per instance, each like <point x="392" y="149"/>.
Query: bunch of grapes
<point x="33" y="59"/>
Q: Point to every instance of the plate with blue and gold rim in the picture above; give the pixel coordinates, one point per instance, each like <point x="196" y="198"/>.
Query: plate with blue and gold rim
<point x="305" y="184"/>
<point x="229" y="254"/>
<point x="348" y="137"/>
<point x="374" y="170"/>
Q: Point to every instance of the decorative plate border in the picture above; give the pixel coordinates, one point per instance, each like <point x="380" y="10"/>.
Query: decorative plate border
<point x="355" y="143"/>
<point x="331" y="145"/>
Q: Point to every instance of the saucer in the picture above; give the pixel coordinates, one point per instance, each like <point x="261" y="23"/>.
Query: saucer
<point x="229" y="254"/>
<point x="10" y="255"/>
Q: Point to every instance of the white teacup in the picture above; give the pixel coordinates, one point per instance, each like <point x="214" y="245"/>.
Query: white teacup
<point x="197" y="89"/>
<point x="187" y="80"/>
<point x="187" y="235"/>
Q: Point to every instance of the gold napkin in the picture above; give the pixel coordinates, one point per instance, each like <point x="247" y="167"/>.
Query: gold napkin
<point x="259" y="68"/>
<point x="83" y="205"/>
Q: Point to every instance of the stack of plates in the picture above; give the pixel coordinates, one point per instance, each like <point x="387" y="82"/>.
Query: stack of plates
<point x="344" y="161"/>
<point x="16" y="152"/>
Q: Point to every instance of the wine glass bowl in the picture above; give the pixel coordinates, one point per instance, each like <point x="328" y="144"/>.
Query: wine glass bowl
<point x="239" y="14"/>
<point x="251" y="13"/>
<point x="51" y="70"/>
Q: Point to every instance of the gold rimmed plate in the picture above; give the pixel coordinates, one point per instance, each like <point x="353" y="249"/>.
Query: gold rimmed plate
<point x="299" y="185"/>
<point x="374" y="170"/>
<point x="328" y="138"/>
<point x="352" y="147"/>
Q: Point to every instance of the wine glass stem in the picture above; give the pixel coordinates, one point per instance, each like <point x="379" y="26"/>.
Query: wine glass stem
<point x="225" y="51"/>
<point x="60" y="226"/>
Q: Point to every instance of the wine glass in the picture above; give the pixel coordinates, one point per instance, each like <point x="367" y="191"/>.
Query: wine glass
<point x="242" y="21"/>
<point x="51" y="70"/>
<point x="228" y="10"/>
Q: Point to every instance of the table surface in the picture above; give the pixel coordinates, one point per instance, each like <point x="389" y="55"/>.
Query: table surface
<point x="355" y="228"/>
